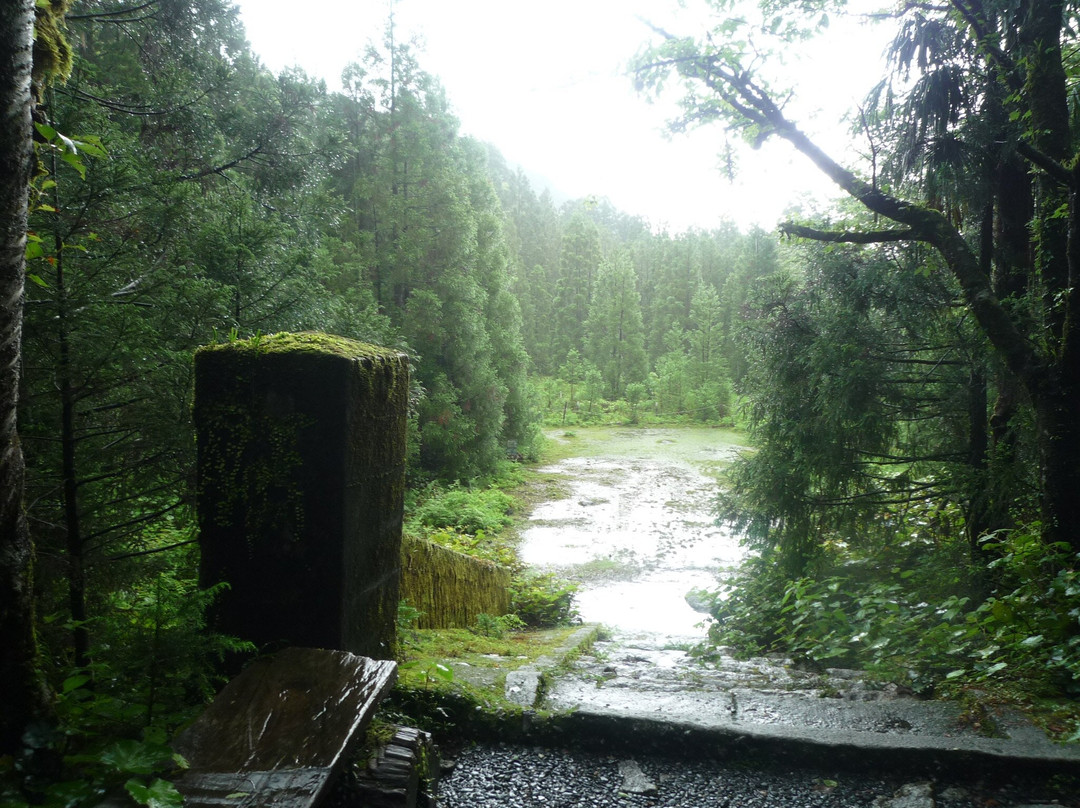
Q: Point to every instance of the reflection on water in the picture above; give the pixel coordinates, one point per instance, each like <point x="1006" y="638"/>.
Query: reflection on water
<point x="646" y="520"/>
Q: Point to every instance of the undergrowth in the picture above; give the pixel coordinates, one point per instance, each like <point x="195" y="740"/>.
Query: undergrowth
<point x="153" y="669"/>
<point x="915" y="611"/>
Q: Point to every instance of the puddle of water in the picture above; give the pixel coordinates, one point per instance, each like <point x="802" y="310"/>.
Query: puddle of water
<point x="650" y="510"/>
<point x="652" y="604"/>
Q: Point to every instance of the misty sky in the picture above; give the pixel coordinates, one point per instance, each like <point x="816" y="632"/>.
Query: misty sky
<point x="545" y="82"/>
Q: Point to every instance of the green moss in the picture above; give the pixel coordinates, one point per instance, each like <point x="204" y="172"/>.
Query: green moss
<point x="306" y="342"/>
<point x="449" y="588"/>
<point x="463" y="650"/>
<point x="252" y="459"/>
<point x="252" y="455"/>
<point x="301" y="443"/>
<point x="53" y="56"/>
<point x="476" y="709"/>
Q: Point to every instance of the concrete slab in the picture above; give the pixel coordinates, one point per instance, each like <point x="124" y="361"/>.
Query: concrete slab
<point x="524" y="686"/>
<point x="633" y="689"/>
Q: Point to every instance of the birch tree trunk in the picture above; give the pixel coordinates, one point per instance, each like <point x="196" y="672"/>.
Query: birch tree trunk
<point x="18" y="675"/>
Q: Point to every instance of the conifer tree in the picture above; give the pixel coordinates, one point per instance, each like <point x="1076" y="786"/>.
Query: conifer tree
<point x="615" y="336"/>
<point x="579" y="264"/>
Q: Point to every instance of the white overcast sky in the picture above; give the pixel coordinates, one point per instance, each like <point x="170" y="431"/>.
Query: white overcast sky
<point x="545" y="82"/>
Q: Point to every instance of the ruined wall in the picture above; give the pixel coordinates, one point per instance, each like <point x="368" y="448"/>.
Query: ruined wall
<point x="451" y="588"/>
<point x="301" y="475"/>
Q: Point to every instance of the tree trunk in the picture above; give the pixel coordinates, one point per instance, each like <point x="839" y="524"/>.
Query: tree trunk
<point x="1059" y="448"/>
<point x="69" y="472"/>
<point x="1055" y="391"/>
<point x="19" y="682"/>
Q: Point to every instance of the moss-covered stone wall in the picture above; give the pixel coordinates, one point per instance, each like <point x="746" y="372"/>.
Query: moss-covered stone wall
<point x="301" y="476"/>
<point x="450" y="589"/>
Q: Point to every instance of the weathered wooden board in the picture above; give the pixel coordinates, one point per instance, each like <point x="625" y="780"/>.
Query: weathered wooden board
<point x="279" y="732"/>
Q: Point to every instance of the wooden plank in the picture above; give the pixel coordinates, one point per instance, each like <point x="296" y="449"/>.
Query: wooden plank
<point x="279" y="732"/>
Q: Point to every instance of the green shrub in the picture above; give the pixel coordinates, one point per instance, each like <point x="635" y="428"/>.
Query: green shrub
<point x="543" y="601"/>
<point x="467" y="511"/>
<point x="919" y="622"/>
<point x="496" y="627"/>
<point x="407" y="616"/>
<point x="477" y="546"/>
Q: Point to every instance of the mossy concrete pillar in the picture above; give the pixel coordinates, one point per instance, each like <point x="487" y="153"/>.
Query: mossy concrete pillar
<point x="301" y="474"/>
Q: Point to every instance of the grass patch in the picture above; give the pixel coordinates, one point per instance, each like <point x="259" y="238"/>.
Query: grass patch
<point x="472" y="701"/>
<point x="462" y="645"/>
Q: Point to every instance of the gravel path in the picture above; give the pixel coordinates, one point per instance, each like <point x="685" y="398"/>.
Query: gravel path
<point x="505" y="776"/>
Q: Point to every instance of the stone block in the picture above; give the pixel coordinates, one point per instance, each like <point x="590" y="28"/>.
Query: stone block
<point x="301" y="472"/>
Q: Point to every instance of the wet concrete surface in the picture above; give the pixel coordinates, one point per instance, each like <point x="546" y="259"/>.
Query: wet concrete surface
<point x="769" y="705"/>
<point x="636" y="529"/>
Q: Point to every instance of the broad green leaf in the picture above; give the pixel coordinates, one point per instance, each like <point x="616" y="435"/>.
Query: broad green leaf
<point x="73" y="160"/>
<point x="159" y="794"/>
<point x="77" y="681"/>
<point x="68" y="143"/>
<point x="136" y="757"/>
<point x="91" y="145"/>
<point x="442" y="672"/>
<point x="46" y="131"/>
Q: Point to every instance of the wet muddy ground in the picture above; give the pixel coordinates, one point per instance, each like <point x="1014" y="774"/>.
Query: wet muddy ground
<point x="636" y="527"/>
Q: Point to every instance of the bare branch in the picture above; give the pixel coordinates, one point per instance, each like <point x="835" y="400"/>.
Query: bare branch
<point x="221" y="169"/>
<point x="924" y="224"/>
<point x="1048" y="164"/>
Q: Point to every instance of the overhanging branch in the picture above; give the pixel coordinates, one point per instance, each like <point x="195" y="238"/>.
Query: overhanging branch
<point x="922" y="223"/>
<point x="848" y="236"/>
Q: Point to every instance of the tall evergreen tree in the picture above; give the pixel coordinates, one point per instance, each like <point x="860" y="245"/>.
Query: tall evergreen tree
<point x="859" y="399"/>
<point x="144" y="256"/>
<point x="426" y="224"/>
<point x="18" y="669"/>
<point x="615" y="336"/>
<point x="707" y="367"/>
<point x="579" y="264"/>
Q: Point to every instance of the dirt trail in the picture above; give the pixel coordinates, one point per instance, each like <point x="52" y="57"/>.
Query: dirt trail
<point x="637" y="526"/>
